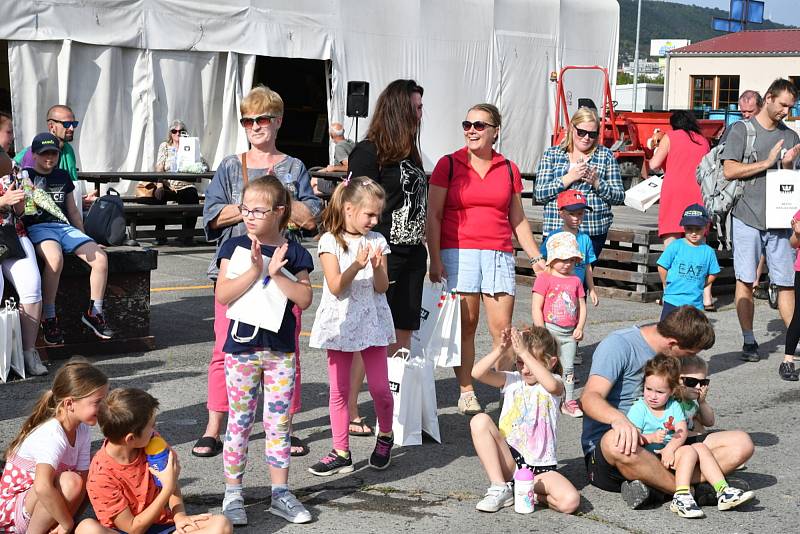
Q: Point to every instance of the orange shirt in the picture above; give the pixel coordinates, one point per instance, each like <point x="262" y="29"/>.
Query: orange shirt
<point x="112" y="487"/>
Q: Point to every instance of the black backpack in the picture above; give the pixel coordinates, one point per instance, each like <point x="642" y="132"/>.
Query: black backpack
<point x="105" y="221"/>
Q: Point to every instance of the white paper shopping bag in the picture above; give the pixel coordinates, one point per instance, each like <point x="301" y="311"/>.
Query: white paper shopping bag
<point x="783" y="197"/>
<point x="11" y="355"/>
<point x="430" y="416"/>
<point x="446" y="339"/>
<point x="188" y="152"/>
<point x="643" y="195"/>
<point x="432" y="293"/>
<point x="405" y="382"/>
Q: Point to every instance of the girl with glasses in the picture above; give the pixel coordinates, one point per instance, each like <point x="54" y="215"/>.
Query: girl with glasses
<point x="474" y="208"/>
<point x="581" y="162"/>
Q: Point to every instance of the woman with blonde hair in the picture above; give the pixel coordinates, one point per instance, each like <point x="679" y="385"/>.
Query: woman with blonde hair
<point x="261" y="117"/>
<point x="580" y="162"/>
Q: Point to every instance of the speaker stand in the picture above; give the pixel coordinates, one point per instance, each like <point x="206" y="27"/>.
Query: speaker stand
<point x="356" y="138"/>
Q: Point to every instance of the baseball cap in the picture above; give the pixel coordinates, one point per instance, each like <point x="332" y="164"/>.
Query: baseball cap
<point x="45" y="142"/>
<point x="572" y="200"/>
<point x="562" y="246"/>
<point x="695" y="215"/>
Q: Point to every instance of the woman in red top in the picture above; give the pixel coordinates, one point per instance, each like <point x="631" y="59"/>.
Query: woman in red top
<point x="474" y="207"/>
<point x="678" y="154"/>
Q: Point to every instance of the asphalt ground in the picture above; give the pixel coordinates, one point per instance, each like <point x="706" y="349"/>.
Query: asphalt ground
<point x="434" y="486"/>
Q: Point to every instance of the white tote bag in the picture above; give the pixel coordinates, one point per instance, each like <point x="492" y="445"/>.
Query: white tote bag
<point x="11" y="356"/>
<point x="445" y="344"/>
<point x="262" y="305"/>
<point x="405" y="383"/>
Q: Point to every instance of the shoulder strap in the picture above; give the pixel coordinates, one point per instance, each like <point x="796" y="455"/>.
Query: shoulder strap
<point x="244" y="168"/>
<point x="510" y="175"/>
<point x="749" y="147"/>
<point x="450" y="174"/>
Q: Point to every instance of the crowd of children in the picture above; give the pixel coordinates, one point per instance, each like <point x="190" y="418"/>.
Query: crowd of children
<point x="48" y="470"/>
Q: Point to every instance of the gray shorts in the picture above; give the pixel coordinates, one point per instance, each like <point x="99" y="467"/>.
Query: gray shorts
<point x="750" y="243"/>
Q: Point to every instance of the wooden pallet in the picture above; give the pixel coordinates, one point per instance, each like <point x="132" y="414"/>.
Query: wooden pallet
<point x="626" y="268"/>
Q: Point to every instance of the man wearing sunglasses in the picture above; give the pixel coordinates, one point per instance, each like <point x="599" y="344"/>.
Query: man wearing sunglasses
<point x="61" y="123"/>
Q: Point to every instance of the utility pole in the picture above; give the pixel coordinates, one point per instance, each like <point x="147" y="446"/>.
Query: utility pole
<point x="636" y="56"/>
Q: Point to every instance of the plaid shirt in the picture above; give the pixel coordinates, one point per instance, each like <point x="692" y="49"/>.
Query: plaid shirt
<point x="555" y="164"/>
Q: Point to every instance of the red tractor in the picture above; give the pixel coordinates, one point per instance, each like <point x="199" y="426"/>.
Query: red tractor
<point x="625" y="133"/>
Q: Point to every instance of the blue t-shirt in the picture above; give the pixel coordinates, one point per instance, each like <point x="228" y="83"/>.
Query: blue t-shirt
<point x="687" y="268"/>
<point x="283" y="341"/>
<point x="647" y="422"/>
<point x="620" y="359"/>
<point x="586" y="248"/>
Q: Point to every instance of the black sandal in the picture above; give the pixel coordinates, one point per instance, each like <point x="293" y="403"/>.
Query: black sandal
<point x="209" y="442"/>
<point x="300" y="444"/>
<point x="362" y="424"/>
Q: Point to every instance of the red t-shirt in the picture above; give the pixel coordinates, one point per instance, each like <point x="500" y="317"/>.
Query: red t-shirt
<point x="476" y="210"/>
<point x="112" y="487"/>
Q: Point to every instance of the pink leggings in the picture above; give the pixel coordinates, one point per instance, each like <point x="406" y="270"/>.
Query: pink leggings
<point x="217" y="393"/>
<point x="378" y="380"/>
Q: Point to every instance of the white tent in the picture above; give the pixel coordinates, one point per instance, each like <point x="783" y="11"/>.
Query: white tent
<point x="128" y="66"/>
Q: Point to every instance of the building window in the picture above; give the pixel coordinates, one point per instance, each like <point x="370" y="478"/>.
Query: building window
<point x="714" y="92"/>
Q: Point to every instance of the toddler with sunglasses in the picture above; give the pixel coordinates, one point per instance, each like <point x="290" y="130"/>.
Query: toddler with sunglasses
<point x="693" y="391"/>
<point x="687" y="265"/>
<point x="664" y="428"/>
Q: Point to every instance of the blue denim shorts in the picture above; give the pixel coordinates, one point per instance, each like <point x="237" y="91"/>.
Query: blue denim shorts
<point x="66" y="235"/>
<point x="750" y="243"/>
<point x="471" y="270"/>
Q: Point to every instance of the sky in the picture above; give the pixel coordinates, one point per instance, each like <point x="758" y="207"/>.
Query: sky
<point x="780" y="11"/>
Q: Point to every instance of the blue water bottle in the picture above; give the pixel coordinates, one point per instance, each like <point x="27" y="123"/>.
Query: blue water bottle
<point x="157" y="452"/>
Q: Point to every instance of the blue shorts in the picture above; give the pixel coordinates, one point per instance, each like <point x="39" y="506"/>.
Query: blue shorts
<point x="750" y="243"/>
<point x="471" y="270"/>
<point x="69" y="237"/>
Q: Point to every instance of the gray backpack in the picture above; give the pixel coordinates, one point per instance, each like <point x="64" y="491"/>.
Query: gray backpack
<point x="720" y="194"/>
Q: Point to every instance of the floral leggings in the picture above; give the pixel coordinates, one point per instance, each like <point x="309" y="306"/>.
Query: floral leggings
<point x="245" y="374"/>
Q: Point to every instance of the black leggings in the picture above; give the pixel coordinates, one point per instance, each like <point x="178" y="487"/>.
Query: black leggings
<point x="793" y="332"/>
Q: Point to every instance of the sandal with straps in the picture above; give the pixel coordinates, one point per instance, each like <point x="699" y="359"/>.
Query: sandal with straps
<point x="360" y="423"/>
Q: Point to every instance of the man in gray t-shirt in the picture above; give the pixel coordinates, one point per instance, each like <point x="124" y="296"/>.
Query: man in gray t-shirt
<point x="776" y="146"/>
<point x="612" y="445"/>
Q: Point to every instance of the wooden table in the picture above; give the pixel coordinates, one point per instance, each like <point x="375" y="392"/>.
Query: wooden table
<point x="113" y="177"/>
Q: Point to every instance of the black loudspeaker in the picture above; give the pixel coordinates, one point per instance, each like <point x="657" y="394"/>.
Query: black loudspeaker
<point x="357" y="99"/>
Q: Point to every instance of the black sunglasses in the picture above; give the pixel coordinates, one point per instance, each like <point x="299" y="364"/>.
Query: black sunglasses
<point x="65" y="124"/>
<point x="692" y="382"/>
<point x="177" y="131"/>
<point x="478" y="125"/>
<point x="583" y="133"/>
<point x="261" y="120"/>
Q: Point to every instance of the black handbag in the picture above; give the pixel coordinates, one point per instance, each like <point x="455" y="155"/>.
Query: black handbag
<point x="10" y="247"/>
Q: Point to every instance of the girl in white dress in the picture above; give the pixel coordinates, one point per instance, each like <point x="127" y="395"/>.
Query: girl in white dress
<point x="354" y="316"/>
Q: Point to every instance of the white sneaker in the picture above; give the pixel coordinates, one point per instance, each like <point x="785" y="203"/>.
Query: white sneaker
<point x="571" y="408"/>
<point x="33" y="364"/>
<point x="469" y="405"/>
<point x="731" y="497"/>
<point x="234" y="510"/>
<point x="496" y="498"/>
<point x="685" y="506"/>
<point x="289" y="508"/>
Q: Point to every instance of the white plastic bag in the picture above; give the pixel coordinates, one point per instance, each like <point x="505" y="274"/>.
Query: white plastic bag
<point x="11" y="355"/>
<point x="405" y="383"/>
<point x="444" y="347"/>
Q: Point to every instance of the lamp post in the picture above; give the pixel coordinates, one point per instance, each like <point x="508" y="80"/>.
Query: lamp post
<point x="636" y="56"/>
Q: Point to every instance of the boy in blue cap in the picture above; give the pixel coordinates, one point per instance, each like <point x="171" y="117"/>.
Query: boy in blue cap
<point x="53" y="237"/>
<point x="688" y="264"/>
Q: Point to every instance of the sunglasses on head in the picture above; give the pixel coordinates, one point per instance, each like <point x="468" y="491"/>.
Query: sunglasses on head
<point x="478" y="125"/>
<point x="66" y="124"/>
<point x="692" y="382"/>
<point x="261" y="120"/>
<point x="580" y="132"/>
<point x="175" y="131"/>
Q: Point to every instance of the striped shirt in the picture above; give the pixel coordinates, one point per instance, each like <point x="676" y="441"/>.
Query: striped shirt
<point x="554" y="164"/>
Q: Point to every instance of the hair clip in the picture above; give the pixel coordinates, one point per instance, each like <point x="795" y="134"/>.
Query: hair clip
<point x="346" y="181"/>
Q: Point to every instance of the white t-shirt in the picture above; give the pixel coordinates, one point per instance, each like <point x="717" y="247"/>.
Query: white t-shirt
<point x="528" y="420"/>
<point x="48" y="444"/>
<point x="360" y="318"/>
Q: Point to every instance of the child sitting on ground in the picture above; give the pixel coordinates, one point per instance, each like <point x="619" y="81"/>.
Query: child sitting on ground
<point x="44" y="479"/>
<point x="123" y="489"/>
<point x="693" y="392"/>
<point x="688" y="265"/>
<point x="662" y="424"/>
<point x="53" y="237"/>
<point x="526" y="437"/>
<point x="559" y="304"/>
